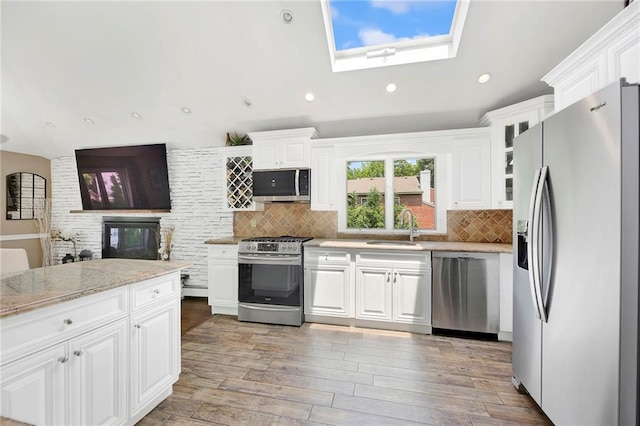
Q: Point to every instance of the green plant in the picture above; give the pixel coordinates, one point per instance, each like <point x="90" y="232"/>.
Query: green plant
<point x="236" y="139"/>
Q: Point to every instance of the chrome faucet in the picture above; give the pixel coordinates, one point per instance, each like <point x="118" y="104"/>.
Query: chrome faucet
<point x="411" y="228"/>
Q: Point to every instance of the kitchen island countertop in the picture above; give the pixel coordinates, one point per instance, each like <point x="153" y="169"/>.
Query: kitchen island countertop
<point x="39" y="287"/>
<point x="406" y="245"/>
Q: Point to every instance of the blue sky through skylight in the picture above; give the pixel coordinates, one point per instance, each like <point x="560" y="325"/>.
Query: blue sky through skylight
<point x="358" y="23"/>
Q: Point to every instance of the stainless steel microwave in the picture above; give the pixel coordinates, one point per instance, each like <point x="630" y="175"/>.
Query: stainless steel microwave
<point x="282" y="185"/>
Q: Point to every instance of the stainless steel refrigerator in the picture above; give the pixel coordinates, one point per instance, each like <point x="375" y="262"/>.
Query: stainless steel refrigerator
<point x="576" y="253"/>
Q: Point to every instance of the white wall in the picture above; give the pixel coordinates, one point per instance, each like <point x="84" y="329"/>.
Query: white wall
<point x="196" y="208"/>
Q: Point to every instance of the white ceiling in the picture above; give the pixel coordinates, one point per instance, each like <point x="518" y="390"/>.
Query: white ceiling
<point x="66" y="61"/>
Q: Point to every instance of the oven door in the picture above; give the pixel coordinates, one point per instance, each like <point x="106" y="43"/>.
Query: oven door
<point x="270" y="279"/>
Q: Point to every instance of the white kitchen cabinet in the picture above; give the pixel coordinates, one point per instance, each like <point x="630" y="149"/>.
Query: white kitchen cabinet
<point x="33" y="388"/>
<point x="97" y="374"/>
<point x="394" y="287"/>
<point x="282" y="149"/>
<point x="507" y="123"/>
<point x="374" y="292"/>
<point x="472" y="174"/>
<point x="223" y="278"/>
<point x="328" y="286"/>
<point x="323" y="179"/>
<point x="155" y="353"/>
<point x="613" y="52"/>
<point x="506" y="297"/>
<point x="411" y="295"/>
<point x="74" y="362"/>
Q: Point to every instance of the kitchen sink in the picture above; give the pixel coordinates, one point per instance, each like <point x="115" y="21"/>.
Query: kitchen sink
<point x="393" y="242"/>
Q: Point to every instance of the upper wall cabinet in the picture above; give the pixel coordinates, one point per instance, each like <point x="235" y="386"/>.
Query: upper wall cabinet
<point x="26" y="193"/>
<point x="507" y="123"/>
<point x="322" y="178"/>
<point x="472" y="174"/>
<point x="610" y="54"/>
<point x="282" y="149"/>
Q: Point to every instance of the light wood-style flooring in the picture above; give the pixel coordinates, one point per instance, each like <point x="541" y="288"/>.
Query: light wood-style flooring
<point x="257" y="374"/>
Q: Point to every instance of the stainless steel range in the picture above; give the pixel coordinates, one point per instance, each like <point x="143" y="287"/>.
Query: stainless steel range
<point x="270" y="280"/>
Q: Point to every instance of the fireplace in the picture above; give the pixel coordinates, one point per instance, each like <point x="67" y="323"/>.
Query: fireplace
<point x="130" y="237"/>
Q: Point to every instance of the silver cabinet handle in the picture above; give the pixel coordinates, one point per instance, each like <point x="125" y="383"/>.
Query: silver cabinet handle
<point x="388" y="276"/>
<point x="137" y="326"/>
<point x="78" y="352"/>
<point x="63" y="359"/>
<point x="156" y="291"/>
<point x="67" y="321"/>
<point x="395" y="277"/>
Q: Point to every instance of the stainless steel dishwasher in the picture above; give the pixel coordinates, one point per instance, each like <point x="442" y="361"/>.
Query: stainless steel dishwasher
<point x="466" y="292"/>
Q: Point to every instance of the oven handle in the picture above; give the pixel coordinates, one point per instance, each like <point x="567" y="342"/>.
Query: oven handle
<point x="269" y="308"/>
<point x="270" y="260"/>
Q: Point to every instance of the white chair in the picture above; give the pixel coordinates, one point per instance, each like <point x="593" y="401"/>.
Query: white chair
<point x="13" y="261"/>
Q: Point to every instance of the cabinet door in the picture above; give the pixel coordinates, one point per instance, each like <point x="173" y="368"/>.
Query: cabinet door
<point x="322" y="179"/>
<point x="373" y="293"/>
<point x="98" y="380"/>
<point x="223" y="286"/>
<point x="34" y="387"/>
<point x="294" y="153"/>
<point x="412" y="295"/>
<point x="155" y="352"/>
<point x="327" y="290"/>
<point x="266" y="155"/>
<point x="472" y="175"/>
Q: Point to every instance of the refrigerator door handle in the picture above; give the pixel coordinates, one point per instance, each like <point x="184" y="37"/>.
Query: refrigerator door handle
<point x="537" y="243"/>
<point x="548" y="247"/>
<point x="532" y="243"/>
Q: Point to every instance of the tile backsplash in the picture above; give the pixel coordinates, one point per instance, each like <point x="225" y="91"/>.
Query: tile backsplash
<point x="285" y="219"/>
<point x="482" y="226"/>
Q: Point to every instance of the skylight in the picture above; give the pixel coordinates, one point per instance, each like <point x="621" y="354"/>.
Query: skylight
<point x="375" y="33"/>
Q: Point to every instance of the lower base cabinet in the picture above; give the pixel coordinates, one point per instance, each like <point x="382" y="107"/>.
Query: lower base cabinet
<point x="153" y="353"/>
<point x="379" y="289"/>
<point x="102" y="361"/>
<point x="223" y="278"/>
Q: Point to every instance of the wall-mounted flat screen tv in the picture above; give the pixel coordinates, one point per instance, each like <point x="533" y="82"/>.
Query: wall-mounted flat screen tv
<point x="124" y="178"/>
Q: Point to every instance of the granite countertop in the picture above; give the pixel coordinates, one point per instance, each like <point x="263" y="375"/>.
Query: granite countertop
<point x="229" y="240"/>
<point x="36" y="288"/>
<point x="416" y="246"/>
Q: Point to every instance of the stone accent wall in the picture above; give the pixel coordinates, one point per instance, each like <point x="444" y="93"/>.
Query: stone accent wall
<point x="195" y="179"/>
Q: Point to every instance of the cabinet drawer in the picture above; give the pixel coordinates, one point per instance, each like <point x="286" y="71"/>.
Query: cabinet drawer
<point x="421" y="259"/>
<point x="223" y="252"/>
<point x="36" y="329"/>
<point x="321" y="256"/>
<point x="155" y="290"/>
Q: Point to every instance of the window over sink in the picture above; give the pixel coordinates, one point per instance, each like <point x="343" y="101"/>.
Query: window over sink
<point x="379" y="190"/>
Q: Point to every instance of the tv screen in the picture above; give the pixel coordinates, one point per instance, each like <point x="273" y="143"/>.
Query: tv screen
<point x="124" y="178"/>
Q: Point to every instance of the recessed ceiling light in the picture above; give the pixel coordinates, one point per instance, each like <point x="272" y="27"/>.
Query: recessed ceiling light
<point x="309" y="97"/>
<point x="88" y="120"/>
<point x="136" y="115"/>
<point x="186" y="110"/>
<point x="50" y="124"/>
<point x="484" y="78"/>
<point x="391" y="87"/>
<point x="287" y="16"/>
<point x="247" y="102"/>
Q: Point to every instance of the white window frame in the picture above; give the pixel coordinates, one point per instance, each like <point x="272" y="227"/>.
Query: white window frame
<point x="442" y="173"/>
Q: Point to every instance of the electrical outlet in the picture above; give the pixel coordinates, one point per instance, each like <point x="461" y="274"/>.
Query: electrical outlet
<point x="253" y="223"/>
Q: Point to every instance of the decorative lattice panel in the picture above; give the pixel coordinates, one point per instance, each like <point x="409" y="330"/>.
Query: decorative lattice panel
<point x="239" y="182"/>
